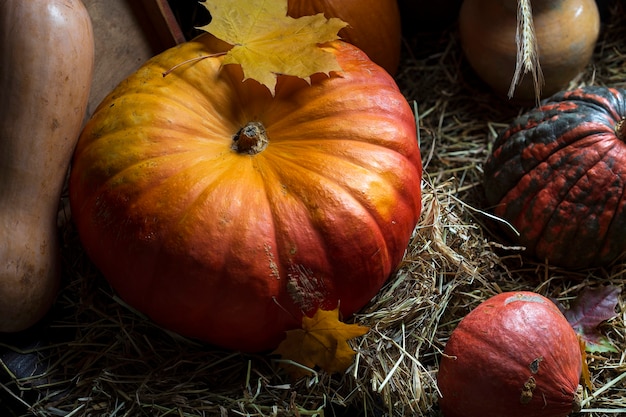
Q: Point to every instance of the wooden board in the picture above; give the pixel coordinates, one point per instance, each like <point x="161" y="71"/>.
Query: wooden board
<point x="127" y="33"/>
<point x="162" y="22"/>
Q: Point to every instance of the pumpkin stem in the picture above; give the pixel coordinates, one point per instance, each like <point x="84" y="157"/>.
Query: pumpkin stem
<point x="620" y="129"/>
<point x="250" y="139"/>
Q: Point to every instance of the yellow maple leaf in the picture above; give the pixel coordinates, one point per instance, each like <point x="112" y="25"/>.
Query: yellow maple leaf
<point x="267" y="42"/>
<point x="322" y="341"/>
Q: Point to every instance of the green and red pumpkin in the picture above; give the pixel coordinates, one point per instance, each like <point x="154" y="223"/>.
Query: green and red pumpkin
<point x="225" y="213"/>
<point x="557" y="175"/>
<point x="514" y="355"/>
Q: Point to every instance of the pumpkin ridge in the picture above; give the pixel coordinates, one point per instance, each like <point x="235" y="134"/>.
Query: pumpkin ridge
<point x="293" y="270"/>
<point x="179" y="142"/>
<point x="515" y="151"/>
<point x="306" y="289"/>
<point x="348" y="160"/>
<point x="536" y="233"/>
<point x="290" y="169"/>
<point x="322" y="174"/>
<point x="305" y="283"/>
<point x="148" y="77"/>
<point x="556" y="175"/>
<point x="153" y="194"/>
<point x="136" y="132"/>
<point x="199" y="106"/>
<point x="607" y="248"/>
<point x="175" y="159"/>
<point x="288" y="151"/>
<point x="225" y="261"/>
<point x="313" y="112"/>
<point x="613" y="105"/>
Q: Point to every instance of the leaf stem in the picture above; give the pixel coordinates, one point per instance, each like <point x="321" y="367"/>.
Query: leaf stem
<point x="620" y="129"/>
<point x="189" y="61"/>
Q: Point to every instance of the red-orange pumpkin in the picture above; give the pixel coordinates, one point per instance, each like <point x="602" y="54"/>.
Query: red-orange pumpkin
<point x="514" y="355"/>
<point x="374" y="25"/>
<point x="219" y="234"/>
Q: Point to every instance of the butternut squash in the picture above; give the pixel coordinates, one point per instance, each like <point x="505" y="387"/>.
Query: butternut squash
<point x="46" y="56"/>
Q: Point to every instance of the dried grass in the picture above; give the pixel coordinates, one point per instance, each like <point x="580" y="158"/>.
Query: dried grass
<point x="98" y="357"/>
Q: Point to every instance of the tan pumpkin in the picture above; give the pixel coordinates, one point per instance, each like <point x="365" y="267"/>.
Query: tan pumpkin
<point x="46" y="55"/>
<point x="566" y="32"/>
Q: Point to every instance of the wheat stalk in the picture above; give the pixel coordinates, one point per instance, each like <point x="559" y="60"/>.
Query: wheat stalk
<point x="527" y="50"/>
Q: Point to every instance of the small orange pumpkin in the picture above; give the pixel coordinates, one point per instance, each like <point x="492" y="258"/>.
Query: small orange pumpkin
<point x="514" y="355"/>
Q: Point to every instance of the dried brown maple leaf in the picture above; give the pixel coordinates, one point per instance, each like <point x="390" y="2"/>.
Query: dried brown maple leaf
<point x="591" y="308"/>
<point x="321" y="342"/>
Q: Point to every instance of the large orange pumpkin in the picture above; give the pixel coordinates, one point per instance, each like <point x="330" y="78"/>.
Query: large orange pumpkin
<point x="373" y="25"/>
<point x="220" y="232"/>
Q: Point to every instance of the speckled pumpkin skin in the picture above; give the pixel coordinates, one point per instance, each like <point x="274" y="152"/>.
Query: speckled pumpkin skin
<point x="234" y="248"/>
<point x="558" y="175"/>
<point x="514" y="355"/>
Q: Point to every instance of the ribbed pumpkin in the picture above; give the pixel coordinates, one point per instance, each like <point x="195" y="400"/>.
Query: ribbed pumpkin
<point x="225" y="214"/>
<point x="374" y="25"/>
<point x="557" y="174"/>
<point x="514" y="355"/>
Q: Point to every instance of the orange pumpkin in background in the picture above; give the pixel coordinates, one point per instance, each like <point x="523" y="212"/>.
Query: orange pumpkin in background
<point x="373" y="25"/>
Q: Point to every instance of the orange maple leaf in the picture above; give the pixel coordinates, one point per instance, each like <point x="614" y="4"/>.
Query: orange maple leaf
<point x="322" y="341"/>
<point x="585" y="374"/>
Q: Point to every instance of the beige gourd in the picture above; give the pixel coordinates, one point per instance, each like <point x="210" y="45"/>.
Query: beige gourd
<point x="46" y="65"/>
<point x="549" y="41"/>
